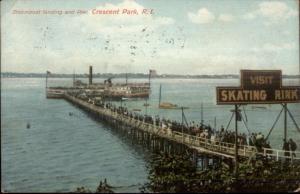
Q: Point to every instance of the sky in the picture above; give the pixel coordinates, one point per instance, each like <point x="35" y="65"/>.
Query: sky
<point x="179" y="37"/>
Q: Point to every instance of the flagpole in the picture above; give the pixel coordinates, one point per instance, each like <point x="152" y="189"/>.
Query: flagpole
<point x="46" y="82"/>
<point x="47" y="73"/>
<point x="149" y="76"/>
<point x="73" y="78"/>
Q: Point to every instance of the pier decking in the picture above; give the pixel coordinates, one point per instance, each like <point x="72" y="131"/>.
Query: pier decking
<point x="151" y="132"/>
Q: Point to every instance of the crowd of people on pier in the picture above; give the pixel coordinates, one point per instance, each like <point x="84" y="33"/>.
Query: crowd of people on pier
<point x="289" y="147"/>
<point x="200" y="130"/>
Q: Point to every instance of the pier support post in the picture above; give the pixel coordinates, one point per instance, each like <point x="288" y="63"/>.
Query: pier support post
<point x="149" y="139"/>
<point x="206" y="162"/>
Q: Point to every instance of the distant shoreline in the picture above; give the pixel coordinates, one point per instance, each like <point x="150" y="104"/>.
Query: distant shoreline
<point x="129" y="75"/>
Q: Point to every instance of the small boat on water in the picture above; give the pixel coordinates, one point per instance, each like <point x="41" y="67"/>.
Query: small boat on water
<point x="28" y="126"/>
<point x="165" y="105"/>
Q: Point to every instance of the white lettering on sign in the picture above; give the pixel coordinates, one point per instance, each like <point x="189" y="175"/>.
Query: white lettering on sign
<point x="286" y="95"/>
<point x="261" y="80"/>
<point x="242" y="95"/>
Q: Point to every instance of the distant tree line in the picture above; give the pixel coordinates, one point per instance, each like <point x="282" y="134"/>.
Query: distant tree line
<point x="123" y="75"/>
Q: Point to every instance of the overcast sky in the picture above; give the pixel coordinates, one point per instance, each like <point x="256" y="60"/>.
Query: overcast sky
<point x="180" y="37"/>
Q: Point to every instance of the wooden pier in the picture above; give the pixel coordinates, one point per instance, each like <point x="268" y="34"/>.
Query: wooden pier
<point x="156" y="137"/>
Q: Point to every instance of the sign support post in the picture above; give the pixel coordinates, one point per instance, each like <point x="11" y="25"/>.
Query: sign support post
<point x="235" y="142"/>
<point x="285" y="121"/>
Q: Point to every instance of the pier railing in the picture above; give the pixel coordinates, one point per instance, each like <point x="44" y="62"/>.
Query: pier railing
<point x="199" y="143"/>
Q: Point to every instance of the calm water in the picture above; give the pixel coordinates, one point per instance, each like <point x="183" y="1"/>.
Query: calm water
<point x="61" y="152"/>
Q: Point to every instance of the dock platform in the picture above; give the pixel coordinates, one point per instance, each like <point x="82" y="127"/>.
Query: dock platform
<point x="151" y="132"/>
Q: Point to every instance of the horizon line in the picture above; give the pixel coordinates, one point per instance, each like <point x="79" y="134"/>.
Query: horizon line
<point x="129" y="73"/>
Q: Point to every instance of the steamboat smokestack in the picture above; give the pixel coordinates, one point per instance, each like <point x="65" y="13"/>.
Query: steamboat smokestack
<point x="91" y="75"/>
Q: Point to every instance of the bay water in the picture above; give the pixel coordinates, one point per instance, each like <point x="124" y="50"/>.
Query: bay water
<point x="59" y="152"/>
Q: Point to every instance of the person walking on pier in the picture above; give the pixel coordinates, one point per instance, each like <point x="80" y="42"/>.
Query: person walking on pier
<point x="259" y="140"/>
<point x="222" y="129"/>
<point x="286" y="148"/>
<point x="293" y="147"/>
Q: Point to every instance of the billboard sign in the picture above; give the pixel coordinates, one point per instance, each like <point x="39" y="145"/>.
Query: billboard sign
<point x="259" y="87"/>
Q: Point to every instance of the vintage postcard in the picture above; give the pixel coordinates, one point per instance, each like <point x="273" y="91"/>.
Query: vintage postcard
<point x="118" y="96"/>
